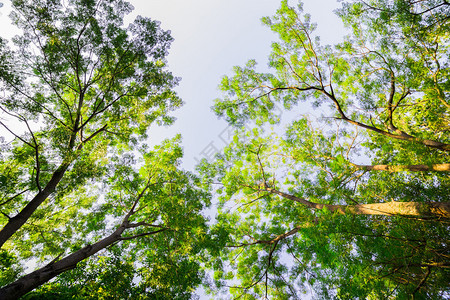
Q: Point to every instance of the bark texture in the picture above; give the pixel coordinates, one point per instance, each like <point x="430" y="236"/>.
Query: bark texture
<point x="31" y="281"/>
<point x="413" y="168"/>
<point x="16" y="222"/>
<point x="35" y="279"/>
<point x="435" y="210"/>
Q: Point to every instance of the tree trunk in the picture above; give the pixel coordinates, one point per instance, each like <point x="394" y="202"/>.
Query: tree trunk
<point x="35" y="279"/>
<point x="413" y="168"/>
<point x="401" y="136"/>
<point x="433" y="210"/>
<point x="16" y="222"/>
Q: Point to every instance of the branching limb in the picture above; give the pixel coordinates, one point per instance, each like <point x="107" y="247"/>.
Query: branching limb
<point x="15" y="135"/>
<point x="13" y="197"/>
<point x="422" y="282"/>
<point x="126" y="238"/>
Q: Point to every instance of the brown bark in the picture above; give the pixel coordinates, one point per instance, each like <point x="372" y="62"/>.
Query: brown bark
<point x="31" y="281"/>
<point x="399" y="135"/>
<point x="435" y="210"/>
<point x="35" y="279"/>
<point x="16" y="222"/>
<point x="396" y="134"/>
<point x="399" y="168"/>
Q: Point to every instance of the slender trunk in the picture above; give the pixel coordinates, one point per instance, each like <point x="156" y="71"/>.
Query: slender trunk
<point x="399" y="168"/>
<point x="435" y="210"/>
<point x="31" y="281"/>
<point x="35" y="279"/>
<point x="16" y="222"/>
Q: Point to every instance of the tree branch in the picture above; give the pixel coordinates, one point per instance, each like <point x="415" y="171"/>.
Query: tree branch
<point x="126" y="238"/>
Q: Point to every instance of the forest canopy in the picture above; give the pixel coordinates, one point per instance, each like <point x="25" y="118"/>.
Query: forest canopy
<point x="352" y="204"/>
<point x="80" y="189"/>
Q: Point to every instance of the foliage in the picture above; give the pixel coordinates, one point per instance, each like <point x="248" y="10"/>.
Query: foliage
<point x="145" y="265"/>
<point x="79" y="92"/>
<point x="301" y="213"/>
<point x="281" y="247"/>
<point x="370" y="82"/>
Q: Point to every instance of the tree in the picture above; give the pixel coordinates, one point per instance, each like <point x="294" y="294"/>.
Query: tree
<point x="94" y="82"/>
<point x="279" y="199"/>
<point x="301" y="211"/>
<point x="77" y="177"/>
<point x="157" y="200"/>
<point x="390" y="81"/>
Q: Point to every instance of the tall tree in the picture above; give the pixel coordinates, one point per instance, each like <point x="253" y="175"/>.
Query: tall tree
<point x="89" y="82"/>
<point x="371" y="82"/>
<point x="306" y="212"/>
<point x="157" y="199"/>
<point x="304" y="221"/>
<point x="79" y="92"/>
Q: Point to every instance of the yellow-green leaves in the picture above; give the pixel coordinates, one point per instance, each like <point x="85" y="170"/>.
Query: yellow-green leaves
<point x="293" y="200"/>
<point x="86" y="89"/>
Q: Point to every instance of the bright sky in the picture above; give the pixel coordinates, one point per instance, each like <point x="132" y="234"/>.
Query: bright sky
<point x="211" y="36"/>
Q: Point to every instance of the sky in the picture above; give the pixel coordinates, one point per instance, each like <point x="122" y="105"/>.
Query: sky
<point x="210" y="37"/>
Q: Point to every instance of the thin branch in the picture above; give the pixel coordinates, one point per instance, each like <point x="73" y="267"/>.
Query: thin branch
<point x="17" y="195"/>
<point x="36" y="153"/>
<point x="98" y="131"/>
<point x="390" y="103"/>
<point x="141" y="235"/>
<point x="18" y="137"/>
<point x="134" y="225"/>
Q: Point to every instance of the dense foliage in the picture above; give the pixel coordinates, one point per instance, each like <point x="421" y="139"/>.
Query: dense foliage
<point x="79" y="91"/>
<point x="353" y="205"/>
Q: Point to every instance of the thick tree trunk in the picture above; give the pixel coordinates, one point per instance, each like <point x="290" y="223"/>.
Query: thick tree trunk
<point x="31" y="281"/>
<point x="399" y="168"/>
<point x="434" y="210"/>
<point x="16" y="222"/>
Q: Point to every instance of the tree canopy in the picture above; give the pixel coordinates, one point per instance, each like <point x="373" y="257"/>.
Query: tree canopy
<point x="352" y="205"/>
<point x="79" y="92"/>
